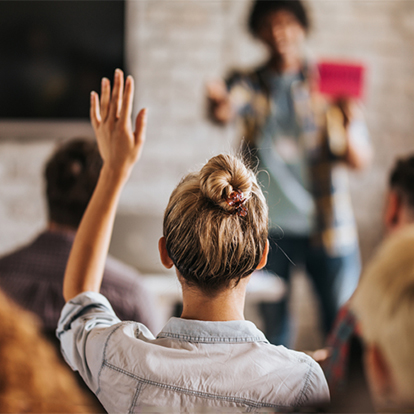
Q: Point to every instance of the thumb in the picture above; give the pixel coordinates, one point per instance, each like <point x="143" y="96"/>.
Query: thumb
<point x="141" y="127"/>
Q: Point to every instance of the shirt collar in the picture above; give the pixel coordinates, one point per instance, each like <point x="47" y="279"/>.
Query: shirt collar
<point x="207" y="331"/>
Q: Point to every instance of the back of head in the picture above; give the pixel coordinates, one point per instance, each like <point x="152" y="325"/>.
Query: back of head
<point x="402" y="181"/>
<point x="384" y="304"/>
<point x="261" y="8"/>
<point x="212" y="241"/>
<point x="71" y="176"/>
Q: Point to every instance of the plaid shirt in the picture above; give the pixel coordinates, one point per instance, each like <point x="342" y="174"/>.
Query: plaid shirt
<point x="323" y="137"/>
<point x="339" y="341"/>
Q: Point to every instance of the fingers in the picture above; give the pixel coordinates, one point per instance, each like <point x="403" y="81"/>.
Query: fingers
<point x="141" y="126"/>
<point x="105" y="97"/>
<point x="125" y="114"/>
<point x="115" y="107"/>
<point x="94" y="110"/>
<point x="117" y="93"/>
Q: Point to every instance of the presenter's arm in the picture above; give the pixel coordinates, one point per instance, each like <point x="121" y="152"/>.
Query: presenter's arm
<point x="120" y="148"/>
<point x="359" y="152"/>
<point x="220" y="107"/>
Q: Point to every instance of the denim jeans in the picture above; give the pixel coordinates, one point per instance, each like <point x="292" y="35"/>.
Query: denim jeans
<point x="334" y="280"/>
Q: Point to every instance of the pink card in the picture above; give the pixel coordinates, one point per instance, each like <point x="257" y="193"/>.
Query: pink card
<point x="341" y="79"/>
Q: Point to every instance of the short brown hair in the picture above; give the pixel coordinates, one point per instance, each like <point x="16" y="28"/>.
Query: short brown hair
<point x="71" y="176"/>
<point x="402" y="179"/>
<point x="210" y="244"/>
<point x="262" y="8"/>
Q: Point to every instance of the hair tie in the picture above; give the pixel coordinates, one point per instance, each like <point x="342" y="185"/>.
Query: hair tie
<point x="236" y="200"/>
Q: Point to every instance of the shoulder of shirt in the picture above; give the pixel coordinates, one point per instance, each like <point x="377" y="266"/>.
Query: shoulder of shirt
<point x="300" y="361"/>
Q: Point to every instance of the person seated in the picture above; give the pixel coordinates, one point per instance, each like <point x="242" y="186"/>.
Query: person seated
<point x="33" y="275"/>
<point x="384" y="307"/>
<point x="344" y="366"/>
<point x="215" y="236"/>
<point x="33" y="379"/>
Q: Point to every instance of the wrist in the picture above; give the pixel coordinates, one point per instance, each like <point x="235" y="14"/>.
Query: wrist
<point x="114" y="176"/>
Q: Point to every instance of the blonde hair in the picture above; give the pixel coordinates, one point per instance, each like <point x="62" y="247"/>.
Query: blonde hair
<point x="384" y="304"/>
<point x="32" y="377"/>
<point x="211" y="245"/>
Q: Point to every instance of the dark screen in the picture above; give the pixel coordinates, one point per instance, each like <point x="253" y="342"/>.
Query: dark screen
<point x="53" y="53"/>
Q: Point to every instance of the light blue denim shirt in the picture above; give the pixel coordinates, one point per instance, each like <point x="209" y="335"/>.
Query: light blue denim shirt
<point x="190" y="365"/>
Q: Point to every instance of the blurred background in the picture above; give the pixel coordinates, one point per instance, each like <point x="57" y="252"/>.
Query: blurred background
<point x="173" y="48"/>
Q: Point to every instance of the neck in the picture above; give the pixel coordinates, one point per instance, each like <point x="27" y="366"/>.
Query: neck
<point x="286" y="64"/>
<point x="227" y="305"/>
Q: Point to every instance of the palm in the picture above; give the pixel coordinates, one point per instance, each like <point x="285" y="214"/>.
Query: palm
<point x="119" y="145"/>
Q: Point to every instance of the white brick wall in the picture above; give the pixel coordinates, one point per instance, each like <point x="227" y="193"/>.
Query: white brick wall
<point x="175" y="46"/>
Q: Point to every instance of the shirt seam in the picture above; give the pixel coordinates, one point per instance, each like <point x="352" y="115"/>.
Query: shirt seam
<point x="104" y="359"/>
<point x="245" y="401"/>
<point x="134" y="400"/>
<point x="302" y="394"/>
<point x="207" y="339"/>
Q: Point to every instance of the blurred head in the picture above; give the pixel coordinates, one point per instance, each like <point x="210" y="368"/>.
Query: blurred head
<point x="384" y="305"/>
<point x="281" y="25"/>
<point x="71" y="176"/>
<point x="209" y="243"/>
<point x="399" y="210"/>
<point x="33" y="379"/>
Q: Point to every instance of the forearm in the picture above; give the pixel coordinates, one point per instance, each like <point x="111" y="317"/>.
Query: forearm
<point x="84" y="270"/>
<point x="120" y="148"/>
<point x="358" y="156"/>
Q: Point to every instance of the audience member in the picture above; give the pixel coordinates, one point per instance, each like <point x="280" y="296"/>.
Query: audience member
<point x="33" y="379"/>
<point x="302" y="144"/>
<point x="384" y="306"/>
<point x="215" y="236"/>
<point x="344" y="367"/>
<point x="33" y="275"/>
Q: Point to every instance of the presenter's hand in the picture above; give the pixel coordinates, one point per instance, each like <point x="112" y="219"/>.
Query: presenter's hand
<point x="220" y="107"/>
<point x="350" y="108"/>
<point x="359" y="152"/>
<point x="119" y="145"/>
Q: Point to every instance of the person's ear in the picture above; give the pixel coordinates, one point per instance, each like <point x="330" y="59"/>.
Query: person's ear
<point x="392" y="210"/>
<point x="263" y="260"/>
<point x="165" y="258"/>
<point x="379" y="374"/>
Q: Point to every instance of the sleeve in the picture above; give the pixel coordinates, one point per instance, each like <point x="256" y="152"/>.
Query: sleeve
<point x="241" y="91"/>
<point x="84" y="326"/>
<point x="316" y="390"/>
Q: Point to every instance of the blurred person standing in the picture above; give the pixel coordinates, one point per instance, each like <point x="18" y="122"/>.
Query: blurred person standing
<point x="302" y="145"/>
<point x="33" y="274"/>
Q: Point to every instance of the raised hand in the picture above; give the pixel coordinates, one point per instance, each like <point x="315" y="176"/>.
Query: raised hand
<point x="120" y="148"/>
<point x="119" y="145"/>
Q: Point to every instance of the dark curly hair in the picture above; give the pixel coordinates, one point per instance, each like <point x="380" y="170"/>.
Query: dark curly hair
<point x="263" y="7"/>
<point x="402" y="179"/>
<point x="71" y="176"/>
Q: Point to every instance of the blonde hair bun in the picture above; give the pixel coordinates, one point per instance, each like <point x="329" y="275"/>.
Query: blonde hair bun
<point x="212" y="244"/>
<point x="221" y="176"/>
